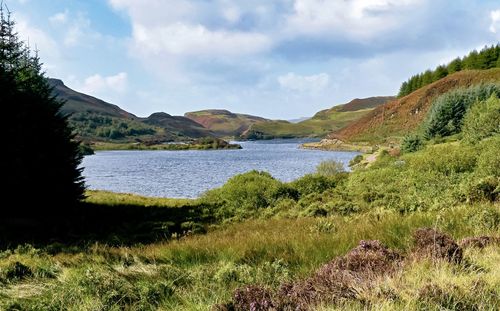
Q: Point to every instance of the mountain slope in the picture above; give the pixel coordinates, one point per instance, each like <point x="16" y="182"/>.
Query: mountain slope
<point x="96" y="120"/>
<point x="401" y="116"/>
<point x="78" y="102"/>
<point x="223" y="122"/>
<point x="321" y="124"/>
<point x="181" y="126"/>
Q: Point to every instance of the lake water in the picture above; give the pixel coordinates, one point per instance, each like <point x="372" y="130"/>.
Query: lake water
<point x="187" y="174"/>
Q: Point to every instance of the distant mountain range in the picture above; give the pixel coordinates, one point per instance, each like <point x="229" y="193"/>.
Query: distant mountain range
<point x="223" y="122"/>
<point x="98" y="121"/>
<point x="320" y="125"/>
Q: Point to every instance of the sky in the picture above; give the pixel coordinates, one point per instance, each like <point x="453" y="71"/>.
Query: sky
<point x="279" y="59"/>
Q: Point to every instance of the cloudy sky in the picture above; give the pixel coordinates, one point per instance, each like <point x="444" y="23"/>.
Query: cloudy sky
<point x="274" y="58"/>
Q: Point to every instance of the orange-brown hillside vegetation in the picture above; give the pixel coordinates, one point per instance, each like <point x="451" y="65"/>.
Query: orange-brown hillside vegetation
<point x="402" y="116"/>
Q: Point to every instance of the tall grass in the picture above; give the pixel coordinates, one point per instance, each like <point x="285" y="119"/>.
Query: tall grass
<point x="195" y="272"/>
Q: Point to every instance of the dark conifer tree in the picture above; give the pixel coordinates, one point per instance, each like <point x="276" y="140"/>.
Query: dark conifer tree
<point x="41" y="160"/>
<point x="455" y="65"/>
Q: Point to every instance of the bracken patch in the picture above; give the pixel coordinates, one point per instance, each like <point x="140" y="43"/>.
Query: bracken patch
<point x="436" y="245"/>
<point x="479" y="242"/>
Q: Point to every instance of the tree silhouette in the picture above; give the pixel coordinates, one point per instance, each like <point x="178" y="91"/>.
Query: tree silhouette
<point x="41" y="173"/>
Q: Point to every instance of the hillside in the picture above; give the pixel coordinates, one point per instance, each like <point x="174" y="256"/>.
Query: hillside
<point x="179" y="125"/>
<point x="95" y="120"/>
<point x="401" y="116"/>
<point x="320" y="125"/>
<point x="224" y="123"/>
<point x="78" y="102"/>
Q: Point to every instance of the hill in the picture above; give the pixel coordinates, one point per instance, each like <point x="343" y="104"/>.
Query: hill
<point x="401" y="116"/>
<point x="179" y="125"/>
<point x="95" y="120"/>
<point x="320" y="125"/>
<point x="78" y="102"/>
<point x="224" y="123"/>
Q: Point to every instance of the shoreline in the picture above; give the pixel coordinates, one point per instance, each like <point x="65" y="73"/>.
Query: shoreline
<point x="338" y="145"/>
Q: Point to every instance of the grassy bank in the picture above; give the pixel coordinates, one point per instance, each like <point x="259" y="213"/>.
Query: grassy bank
<point x="202" y="144"/>
<point x="193" y="273"/>
<point x="338" y="145"/>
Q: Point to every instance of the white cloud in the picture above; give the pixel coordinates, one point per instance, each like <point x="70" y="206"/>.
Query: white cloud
<point x="196" y="40"/>
<point x="231" y="14"/>
<point x="495" y="21"/>
<point x="78" y="32"/>
<point x="59" y="18"/>
<point x="176" y="28"/>
<point x="358" y="19"/>
<point x="98" y="85"/>
<point x="299" y="83"/>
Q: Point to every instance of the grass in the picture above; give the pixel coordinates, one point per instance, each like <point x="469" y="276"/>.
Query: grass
<point x="431" y="285"/>
<point x="107" y="198"/>
<point x="99" y="146"/>
<point x="196" y="272"/>
<point x="318" y="126"/>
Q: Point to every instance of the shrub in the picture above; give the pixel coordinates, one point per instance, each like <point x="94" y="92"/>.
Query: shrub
<point x="488" y="162"/>
<point x="482" y="120"/>
<point x="447" y="112"/>
<point x="446" y="159"/>
<point x="243" y="195"/>
<point x="412" y="143"/>
<point x="484" y="189"/>
<point x="356" y="160"/>
<point x="330" y="168"/>
<point x="315" y="183"/>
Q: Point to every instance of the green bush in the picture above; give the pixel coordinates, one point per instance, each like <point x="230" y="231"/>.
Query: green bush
<point x="484" y="189"/>
<point x="330" y="168"/>
<point x="447" y="112"/>
<point x="356" y="160"/>
<point x="243" y="195"/>
<point x="446" y="159"/>
<point x="412" y="143"/>
<point x="315" y="183"/>
<point x="482" y="120"/>
<point x="488" y="162"/>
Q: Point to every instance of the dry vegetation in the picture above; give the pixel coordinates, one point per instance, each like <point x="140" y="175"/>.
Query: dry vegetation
<point x="402" y="116"/>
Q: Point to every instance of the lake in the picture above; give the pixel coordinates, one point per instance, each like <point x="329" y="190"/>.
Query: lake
<point x="187" y="174"/>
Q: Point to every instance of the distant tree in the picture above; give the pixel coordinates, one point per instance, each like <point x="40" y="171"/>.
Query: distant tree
<point x="470" y="61"/>
<point x="455" y="65"/>
<point x="41" y="173"/>
<point x="440" y="72"/>
<point x="488" y="57"/>
<point x="404" y="89"/>
<point x="427" y="78"/>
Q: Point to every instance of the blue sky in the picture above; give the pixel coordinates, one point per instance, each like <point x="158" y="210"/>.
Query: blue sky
<point x="280" y="59"/>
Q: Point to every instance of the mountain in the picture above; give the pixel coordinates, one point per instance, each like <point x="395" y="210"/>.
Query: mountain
<point x="96" y="120"/>
<point x="78" y="102"/>
<point x="298" y="120"/>
<point x="401" y="116"/>
<point x="321" y="124"/>
<point x="357" y="104"/>
<point x="224" y="123"/>
<point x="176" y="124"/>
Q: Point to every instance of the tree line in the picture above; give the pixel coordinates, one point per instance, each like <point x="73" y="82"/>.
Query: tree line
<point x="487" y="58"/>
